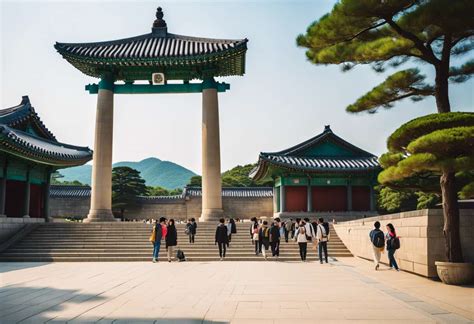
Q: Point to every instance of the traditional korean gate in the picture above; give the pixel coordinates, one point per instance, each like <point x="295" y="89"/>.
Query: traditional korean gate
<point x="157" y="57"/>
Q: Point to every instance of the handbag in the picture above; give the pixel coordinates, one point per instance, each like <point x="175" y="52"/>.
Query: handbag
<point x="152" y="238"/>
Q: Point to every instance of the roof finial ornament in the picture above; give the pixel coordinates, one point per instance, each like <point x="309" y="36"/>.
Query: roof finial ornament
<point x="159" y="22"/>
<point x="327" y="128"/>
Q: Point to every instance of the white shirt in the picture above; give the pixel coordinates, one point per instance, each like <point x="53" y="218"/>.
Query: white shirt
<point x="321" y="231"/>
<point x="309" y="230"/>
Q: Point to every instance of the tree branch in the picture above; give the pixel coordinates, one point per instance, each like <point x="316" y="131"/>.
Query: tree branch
<point x="364" y="31"/>
<point x="428" y="54"/>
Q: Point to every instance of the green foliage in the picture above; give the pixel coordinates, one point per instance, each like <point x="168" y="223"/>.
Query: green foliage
<point x="399" y="140"/>
<point x="127" y="185"/>
<point x="235" y="177"/>
<point x="159" y="191"/>
<point x="394" y="201"/>
<point x="426" y="200"/>
<point x="55" y="180"/>
<point x="389" y="33"/>
<point x="402" y="84"/>
<point x="448" y="144"/>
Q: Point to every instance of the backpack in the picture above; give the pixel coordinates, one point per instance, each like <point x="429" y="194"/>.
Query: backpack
<point x="395" y="243"/>
<point x="180" y="256"/>
<point x="378" y="240"/>
<point x="266" y="233"/>
<point x="187" y="230"/>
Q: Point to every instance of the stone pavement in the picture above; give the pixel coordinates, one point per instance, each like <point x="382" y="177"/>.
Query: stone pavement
<point x="222" y="292"/>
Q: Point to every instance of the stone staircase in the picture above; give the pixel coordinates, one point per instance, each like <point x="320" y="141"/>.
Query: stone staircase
<point x="128" y="241"/>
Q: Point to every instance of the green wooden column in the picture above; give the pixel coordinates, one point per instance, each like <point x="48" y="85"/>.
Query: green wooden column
<point x="282" y="198"/>
<point x="349" y="196"/>
<point x="26" y="199"/>
<point x="309" y="197"/>
<point x="3" y="190"/>
<point x="372" y="198"/>
<point x="46" y="188"/>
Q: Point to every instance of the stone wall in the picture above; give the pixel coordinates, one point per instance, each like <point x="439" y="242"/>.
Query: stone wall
<point x="421" y="238"/>
<point x="180" y="209"/>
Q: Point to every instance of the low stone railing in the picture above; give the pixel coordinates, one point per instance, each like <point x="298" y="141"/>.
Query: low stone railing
<point x="421" y="238"/>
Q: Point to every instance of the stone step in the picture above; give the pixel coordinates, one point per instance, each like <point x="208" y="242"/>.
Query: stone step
<point x="129" y="242"/>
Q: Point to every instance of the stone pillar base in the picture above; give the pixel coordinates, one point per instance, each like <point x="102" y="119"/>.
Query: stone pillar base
<point x="99" y="215"/>
<point x="3" y="216"/>
<point x="211" y="215"/>
<point x="26" y="216"/>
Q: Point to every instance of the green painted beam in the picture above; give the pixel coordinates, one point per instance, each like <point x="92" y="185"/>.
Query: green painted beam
<point x="129" y="88"/>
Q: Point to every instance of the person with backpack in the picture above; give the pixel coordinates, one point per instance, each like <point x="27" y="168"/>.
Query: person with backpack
<point x="264" y="238"/>
<point x="159" y="232"/>
<point x="275" y="238"/>
<point x="322" y="235"/>
<point x="288" y="225"/>
<point x="221" y="238"/>
<point x="233" y="228"/>
<point x="377" y="238"/>
<point x="393" y="244"/>
<point x="292" y="229"/>
<point x="310" y="230"/>
<point x="297" y="224"/>
<point x="171" y="239"/>
<point x="300" y="237"/>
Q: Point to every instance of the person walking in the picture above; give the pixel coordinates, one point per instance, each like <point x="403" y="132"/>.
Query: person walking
<point x="393" y="244"/>
<point x="158" y="233"/>
<point x="255" y="238"/>
<point x="275" y="238"/>
<point x="288" y="226"/>
<point x="302" y="241"/>
<point x="264" y="238"/>
<point x="292" y="228"/>
<point x="378" y="243"/>
<point x="190" y="230"/>
<point x="297" y="224"/>
<point x="171" y="238"/>
<point x="221" y="238"/>
<point x="322" y="235"/>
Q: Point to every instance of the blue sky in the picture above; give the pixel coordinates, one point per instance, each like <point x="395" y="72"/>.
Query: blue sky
<point x="281" y="100"/>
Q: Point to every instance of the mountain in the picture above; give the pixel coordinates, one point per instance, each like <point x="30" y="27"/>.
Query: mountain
<point x="165" y="174"/>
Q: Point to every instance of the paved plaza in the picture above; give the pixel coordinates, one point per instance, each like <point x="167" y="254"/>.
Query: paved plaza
<point x="222" y="292"/>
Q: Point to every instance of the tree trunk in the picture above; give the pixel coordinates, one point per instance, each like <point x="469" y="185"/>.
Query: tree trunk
<point x="442" y="88"/>
<point x="451" y="217"/>
<point x="121" y="214"/>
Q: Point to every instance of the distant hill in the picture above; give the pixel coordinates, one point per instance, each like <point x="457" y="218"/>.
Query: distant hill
<point x="165" y="174"/>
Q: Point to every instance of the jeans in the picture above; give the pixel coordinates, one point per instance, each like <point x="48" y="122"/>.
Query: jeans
<point x="275" y="245"/>
<point x="191" y="238"/>
<point x="303" y="249"/>
<point x="323" y="246"/>
<point x="377" y="254"/>
<point x="156" y="249"/>
<point x="391" y="259"/>
<point x="222" y="249"/>
<point x="258" y="247"/>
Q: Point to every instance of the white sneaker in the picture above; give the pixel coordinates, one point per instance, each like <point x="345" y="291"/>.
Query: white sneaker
<point x="221" y="259"/>
<point x="154" y="260"/>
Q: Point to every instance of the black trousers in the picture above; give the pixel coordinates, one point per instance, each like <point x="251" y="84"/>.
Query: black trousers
<point x="222" y="249"/>
<point x="303" y="250"/>
<point x="230" y="237"/>
<point x="286" y="235"/>
<point x="275" y="245"/>
<point x="323" y="246"/>
<point x="191" y="238"/>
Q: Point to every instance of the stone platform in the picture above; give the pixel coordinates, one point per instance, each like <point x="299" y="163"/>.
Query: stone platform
<point x="348" y="290"/>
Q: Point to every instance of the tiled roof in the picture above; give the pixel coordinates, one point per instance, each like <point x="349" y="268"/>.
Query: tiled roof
<point x="24" y="113"/>
<point x="61" y="191"/>
<point x="158" y="49"/>
<point x="294" y="158"/>
<point x="42" y="146"/>
<point x="236" y="192"/>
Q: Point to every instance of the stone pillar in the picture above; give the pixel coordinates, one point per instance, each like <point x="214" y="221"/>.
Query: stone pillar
<point x="26" y="199"/>
<point x="310" y="197"/>
<point x="101" y="194"/>
<point x="3" y="191"/>
<point x="372" y="198"/>
<point x="349" y="197"/>
<point x="282" y="198"/>
<point x="46" y="188"/>
<point x="211" y="155"/>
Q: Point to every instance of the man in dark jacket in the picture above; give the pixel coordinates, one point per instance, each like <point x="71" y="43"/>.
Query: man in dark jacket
<point x="221" y="238"/>
<point x="275" y="238"/>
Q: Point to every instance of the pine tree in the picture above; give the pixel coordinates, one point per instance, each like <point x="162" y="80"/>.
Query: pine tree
<point x="127" y="185"/>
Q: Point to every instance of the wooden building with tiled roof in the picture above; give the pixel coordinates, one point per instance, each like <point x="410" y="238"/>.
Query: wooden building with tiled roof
<point x="29" y="153"/>
<point x="324" y="174"/>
